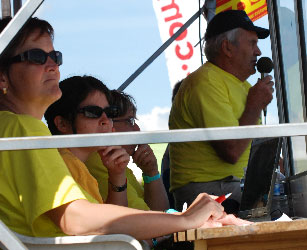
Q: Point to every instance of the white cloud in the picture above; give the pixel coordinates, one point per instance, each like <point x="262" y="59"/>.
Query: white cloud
<point x="156" y="120"/>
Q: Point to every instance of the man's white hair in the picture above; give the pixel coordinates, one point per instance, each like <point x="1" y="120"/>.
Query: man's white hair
<point x="213" y="45"/>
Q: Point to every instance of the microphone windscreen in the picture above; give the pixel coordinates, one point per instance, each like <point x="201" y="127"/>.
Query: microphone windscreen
<point x="264" y="65"/>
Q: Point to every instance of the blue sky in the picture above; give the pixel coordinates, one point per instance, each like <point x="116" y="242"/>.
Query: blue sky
<point x="110" y="40"/>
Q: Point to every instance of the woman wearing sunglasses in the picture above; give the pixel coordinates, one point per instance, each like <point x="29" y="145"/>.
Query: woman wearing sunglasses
<point x="32" y="182"/>
<point x="153" y="195"/>
<point x="38" y="196"/>
<point x="84" y="108"/>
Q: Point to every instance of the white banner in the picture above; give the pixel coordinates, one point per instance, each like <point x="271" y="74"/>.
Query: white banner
<point x="182" y="57"/>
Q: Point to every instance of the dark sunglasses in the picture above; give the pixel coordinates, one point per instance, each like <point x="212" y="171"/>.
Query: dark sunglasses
<point x="96" y="111"/>
<point x="130" y="121"/>
<point x="38" y="56"/>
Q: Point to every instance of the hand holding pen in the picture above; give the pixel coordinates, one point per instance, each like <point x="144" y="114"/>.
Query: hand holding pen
<point x="216" y="216"/>
<point x="219" y="199"/>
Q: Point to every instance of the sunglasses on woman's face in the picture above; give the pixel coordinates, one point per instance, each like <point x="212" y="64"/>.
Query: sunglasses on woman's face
<point x="130" y="121"/>
<point x="38" y="56"/>
<point x="96" y="111"/>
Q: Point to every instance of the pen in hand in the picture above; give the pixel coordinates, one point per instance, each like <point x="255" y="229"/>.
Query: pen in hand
<point x="219" y="199"/>
<point x="223" y="197"/>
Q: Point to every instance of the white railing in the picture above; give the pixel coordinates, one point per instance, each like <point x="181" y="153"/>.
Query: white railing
<point x="180" y="135"/>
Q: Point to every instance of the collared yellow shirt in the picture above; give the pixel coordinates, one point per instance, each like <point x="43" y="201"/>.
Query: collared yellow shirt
<point x="208" y="97"/>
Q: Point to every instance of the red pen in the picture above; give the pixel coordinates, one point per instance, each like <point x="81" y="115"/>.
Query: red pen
<point x="223" y="197"/>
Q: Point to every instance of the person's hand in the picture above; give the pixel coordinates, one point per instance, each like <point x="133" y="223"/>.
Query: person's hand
<point x="207" y="213"/>
<point x="214" y="197"/>
<point x="115" y="159"/>
<point x="204" y="212"/>
<point x="145" y="159"/>
<point x="230" y="219"/>
<point x="210" y="223"/>
<point x="261" y="94"/>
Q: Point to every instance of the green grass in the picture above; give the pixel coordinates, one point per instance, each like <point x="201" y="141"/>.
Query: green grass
<point x="159" y="150"/>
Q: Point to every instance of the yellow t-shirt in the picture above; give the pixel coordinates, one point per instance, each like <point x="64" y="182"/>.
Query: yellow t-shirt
<point x="135" y="192"/>
<point x="209" y="97"/>
<point x="32" y="182"/>
<point x="81" y="174"/>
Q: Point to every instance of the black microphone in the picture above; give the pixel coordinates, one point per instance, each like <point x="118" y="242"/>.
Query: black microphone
<point x="264" y="66"/>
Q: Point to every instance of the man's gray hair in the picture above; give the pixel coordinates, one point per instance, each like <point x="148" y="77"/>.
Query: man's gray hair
<point x="213" y="45"/>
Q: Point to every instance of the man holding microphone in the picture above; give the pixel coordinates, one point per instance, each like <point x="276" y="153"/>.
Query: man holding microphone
<point x="218" y="95"/>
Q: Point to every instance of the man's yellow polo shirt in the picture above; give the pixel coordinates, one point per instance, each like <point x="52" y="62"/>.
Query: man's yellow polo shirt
<point x="209" y="97"/>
